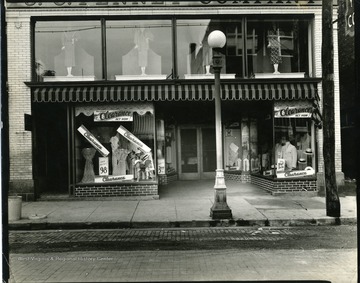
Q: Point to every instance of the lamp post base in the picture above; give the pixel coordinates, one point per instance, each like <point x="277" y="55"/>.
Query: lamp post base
<point x="220" y="209"/>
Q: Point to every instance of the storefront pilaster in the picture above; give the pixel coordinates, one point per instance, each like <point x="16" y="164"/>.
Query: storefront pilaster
<point x="19" y="71"/>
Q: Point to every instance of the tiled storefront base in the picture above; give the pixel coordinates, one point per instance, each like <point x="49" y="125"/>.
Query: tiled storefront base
<point x="118" y="190"/>
<point x="286" y="186"/>
<point x="307" y="186"/>
<point x="237" y="176"/>
<point x="167" y="179"/>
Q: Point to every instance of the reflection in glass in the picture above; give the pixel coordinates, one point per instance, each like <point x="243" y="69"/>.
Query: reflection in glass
<point x="209" y="149"/>
<point x="139" y="49"/>
<point x="189" y="152"/>
<point x="68" y="50"/>
<point x="277" y="47"/>
<point x="194" y="54"/>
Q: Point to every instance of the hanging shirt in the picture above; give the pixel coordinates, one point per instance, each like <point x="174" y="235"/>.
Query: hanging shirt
<point x="289" y="153"/>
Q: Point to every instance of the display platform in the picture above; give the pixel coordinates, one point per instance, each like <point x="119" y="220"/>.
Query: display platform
<point x="68" y="78"/>
<point x="280" y="75"/>
<point x="139" y="77"/>
<point x="207" y="76"/>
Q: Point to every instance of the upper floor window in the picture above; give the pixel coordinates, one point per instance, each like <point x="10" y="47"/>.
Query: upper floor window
<point x="194" y="54"/>
<point x="138" y="50"/>
<point x="277" y="48"/>
<point x="149" y="50"/>
<point x="68" y="50"/>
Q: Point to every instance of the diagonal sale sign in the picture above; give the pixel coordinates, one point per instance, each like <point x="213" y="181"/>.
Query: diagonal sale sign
<point x="93" y="140"/>
<point x="129" y="136"/>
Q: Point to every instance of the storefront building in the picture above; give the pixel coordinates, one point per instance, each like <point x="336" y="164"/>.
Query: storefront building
<point x="117" y="98"/>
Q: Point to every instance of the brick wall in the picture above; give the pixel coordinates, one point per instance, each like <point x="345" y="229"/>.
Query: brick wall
<point x="285" y="186"/>
<point x="116" y="191"/>
<point x="19" y="71"/>
<point x="167" y="179"/>
<point x="239" y="177"/>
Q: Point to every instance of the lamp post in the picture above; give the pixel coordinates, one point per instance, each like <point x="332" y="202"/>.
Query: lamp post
<point x="220" y="209"/>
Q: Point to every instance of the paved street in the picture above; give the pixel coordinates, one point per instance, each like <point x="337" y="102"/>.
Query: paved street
<point x="249" y="253"/>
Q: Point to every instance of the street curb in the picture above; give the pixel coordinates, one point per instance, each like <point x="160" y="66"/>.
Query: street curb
<point x="180" y="224"/>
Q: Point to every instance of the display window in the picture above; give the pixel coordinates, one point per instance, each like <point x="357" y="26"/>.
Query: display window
<point x="139" y="50"/>
<point x="241" y="146"/>
<point x="114" y="143"/>
<point x="146" y="49"/>
<point x="293" y="153"/>
<point x="278" y="48"/>
<point x="195" y="54"/>
<point x="68" y="50"/>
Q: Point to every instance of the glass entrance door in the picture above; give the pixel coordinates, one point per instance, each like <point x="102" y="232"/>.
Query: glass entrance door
<point x="197" y="152"/>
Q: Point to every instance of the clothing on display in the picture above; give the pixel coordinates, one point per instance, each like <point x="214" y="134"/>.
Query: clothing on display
<point x="289" y="153"/>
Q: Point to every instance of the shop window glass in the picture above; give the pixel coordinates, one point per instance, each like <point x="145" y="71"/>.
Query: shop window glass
<point x="241" y="146"/>
<point x="139" y="50"/>
<point x="194" y="56"/>
<point x="114" y="144"/>
<point x="277" y="48"/>
<point x="294" y="150"/>
<point x="66" y="51"/>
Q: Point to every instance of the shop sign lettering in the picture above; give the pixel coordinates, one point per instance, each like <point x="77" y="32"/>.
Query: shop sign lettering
<point x="130" y="137"/>
<point x="308" y="171"/>
<point x="113" y="115"/>
<point x="105" y="179"/>
<point x="96" y="3"/>
<point x="93" y="140"/>
<point x="293" y="112"/>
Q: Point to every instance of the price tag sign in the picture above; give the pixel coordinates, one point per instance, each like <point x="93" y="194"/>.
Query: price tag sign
<point x="103" y="166"/>
<point x="161" y="166"/>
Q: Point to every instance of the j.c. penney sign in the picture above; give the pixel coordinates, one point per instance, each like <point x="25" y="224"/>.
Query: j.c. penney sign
<point x="97" y="3"/>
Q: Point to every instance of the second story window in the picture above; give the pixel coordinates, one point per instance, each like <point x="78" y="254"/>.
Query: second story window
<point x="66" y="51"/>
<point x="261" y="47"/>
<point x="139" y="50"/>
<point x="277" y="48"/>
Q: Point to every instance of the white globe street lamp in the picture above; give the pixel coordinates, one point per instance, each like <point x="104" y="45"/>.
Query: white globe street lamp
<point x="220" y="209"/>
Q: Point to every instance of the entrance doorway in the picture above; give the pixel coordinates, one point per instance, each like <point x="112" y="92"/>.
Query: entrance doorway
<point x="50" y="149"/>
<point x="197" y="152"/>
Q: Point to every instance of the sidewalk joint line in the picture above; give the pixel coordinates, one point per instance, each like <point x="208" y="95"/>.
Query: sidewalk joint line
<point x="132" y="216"/>
<point x="93" y="211"/>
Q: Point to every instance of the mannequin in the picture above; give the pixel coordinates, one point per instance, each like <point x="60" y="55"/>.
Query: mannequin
<point x="119" y="157"/>
<point x="68" y="41"/>
<point x="275" y="49"/>
<point x="89" y="174"/>
<point x="289" y="153"/>
<point x="141" y="40"/>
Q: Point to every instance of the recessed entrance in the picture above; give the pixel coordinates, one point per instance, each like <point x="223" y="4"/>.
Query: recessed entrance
<point x="197" y="152"/>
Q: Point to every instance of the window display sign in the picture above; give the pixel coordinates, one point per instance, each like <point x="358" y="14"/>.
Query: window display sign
<point x="105" y="179"/>
<point x="161" y="166"/>
<point x="280" y="166"/>
<point x="93" y="141"/>
<point x="103" y="166"/>
<point x="308" y="171"/>
<point x="113" y="116"/>
<point x="293" y="112"/>
<point x="134" y="140"/>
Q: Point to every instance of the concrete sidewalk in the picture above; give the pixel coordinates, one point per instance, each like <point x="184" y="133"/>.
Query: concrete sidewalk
<point x="184" y="204"/>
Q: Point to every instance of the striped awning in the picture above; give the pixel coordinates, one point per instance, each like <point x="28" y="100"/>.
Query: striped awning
<point x="172" y="92"/>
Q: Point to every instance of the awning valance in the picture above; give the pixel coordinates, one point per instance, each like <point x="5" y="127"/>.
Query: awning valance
<point x="172" y="92"/>
<point x="140" y="108"/>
